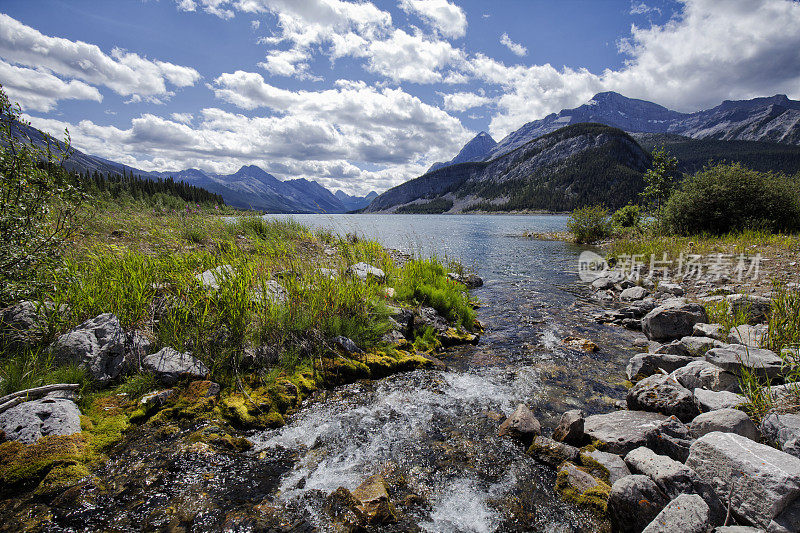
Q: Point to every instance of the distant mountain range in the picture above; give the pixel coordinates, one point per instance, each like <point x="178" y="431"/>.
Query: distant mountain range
<point x="597" y="153"/>
<point x="250" y="187"/>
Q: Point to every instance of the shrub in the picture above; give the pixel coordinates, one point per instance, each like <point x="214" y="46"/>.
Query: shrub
<point x="629" y="216"/>
<point x="589" y="224"/>
<point x="729" y="197"/>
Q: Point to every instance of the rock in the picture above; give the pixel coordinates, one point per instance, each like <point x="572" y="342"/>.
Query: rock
<point x="714" y="331"/>
<point x="213" y="278"/>
<point x="393" y="337"/>
<point x="733" y="357"/>
<point x="551" y="452"/>
<point x="738" y="529"/>
<point x="578" y="486"/>
<point x="788" y="392"/>
<point x="30" y="421"/>
<point x="344" y="508"/>
<point x="625" y="284"/>
<point x="169" y="365"/>
<point x="634" y="502"/>
<point x="578" y="343"/>
<point x="726" y="421"/>
<point x="663" y="394"/>
<point x="363" y="271"/>
<point x="347" y="345"/>
<point x="521" y="425"/>
<point x="708" y="400"/>
<point x="271" y="292"/>
<point x="157" y="398"/>
<point x="634" y="324"/>
<point x="602" y="284"/>
<point x="23" y="323"/>
<point x="570" y="428"/>
<point x="608" y="467"/>
<point x="633" y="293"/>
<point x="748" y="335"/>
<point x="427" y="317"/>
<point x="671" y="437"/>
<point x="687" y="513"/>
<point x="374" y="501"/>
<point x="646" y="364"/>
<point x="675" y="347"/>
<point x="471" y="281"/>
<point x="700" y="374"/>
<point x="621" y="431"/>
<point x="755" y="308"/>
<point x="698" y="346"/>
<point x="764" y="483"/>
<point x="673" y="320"/>
<point x="98" y="345"/>
<point x="136" y="347"/>
<point x="329" y="273"/>
<point x="783" y="430"/>
<point x="671" y="288"/>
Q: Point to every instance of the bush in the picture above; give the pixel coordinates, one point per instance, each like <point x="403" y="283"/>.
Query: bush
<point x="589" y="224"/>
<point x="729" y="197"/>
<point x="629" y="216"/>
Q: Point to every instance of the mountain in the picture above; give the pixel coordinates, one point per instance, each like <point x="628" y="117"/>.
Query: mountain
<point x="775" y="119"/>
<point x="575" y="165"/>
<point x="476" y="150"/>
<point x="355" y="203"/>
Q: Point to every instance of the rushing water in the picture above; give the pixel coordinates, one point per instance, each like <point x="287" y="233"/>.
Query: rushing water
<point x="434" y="433"/>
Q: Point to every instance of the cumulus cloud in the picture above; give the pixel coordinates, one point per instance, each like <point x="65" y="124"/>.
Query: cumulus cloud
<point x="462" y="101"/>
<point x="39" y="90"/>
<point x="125" y="73"/>
<point x="183" y="118"/>
<point x="447" y="18"/>
<point x="516" y="48"/>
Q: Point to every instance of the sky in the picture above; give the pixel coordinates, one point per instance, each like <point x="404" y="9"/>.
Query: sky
<point x="362" y="95"/>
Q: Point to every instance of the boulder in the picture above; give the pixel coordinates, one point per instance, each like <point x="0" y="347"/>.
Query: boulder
<point x="582" y="488"/>
<point x="748" y="335"/>
<point x="30" y="421"/>
<point x="570" y="428"/>
<point x="733" y="357"/>
<point x="700" y="374"/>
<point x="347" y="345"/>
<point x="551" y="452"/>
<point x="633" y="293"/>
<point x="521" y="425"/>
<point x="622" y="431"/>
<point x="169" y="365"/>
<point x="755" y="308"/>
<point x="23" y="323"/>
<point x="374" y="501"/>
<point x="698" y="346"/>
<point x="603" y="465"/>
<point x="709" y="400"/>
<point x="763" y="483"/>
<point x="672" y="348"/>
<point x="213" y="278"/>
<point x="646" y="364"/>
<point x="364" y="271"/>
<point x="671" y="288"/>
<point x="663" y="394"/>
<point x="634" y="502"/>
<point x="687" y="513"/>
<point x="471" y="281"/>
<point x="673" y="320"/>
<point x="672" y="438"/>
<point x="97" y="345"/>
<point x="783" y="430"/>
<point x="726" y="421"/>
<point x="738" y="529"/>
<point x="271" y="292"/>
<point x="714" y="331"/>
<point x="578" y="343"/>
<point x="602" y="284"/>
<point x="427" y="317"/>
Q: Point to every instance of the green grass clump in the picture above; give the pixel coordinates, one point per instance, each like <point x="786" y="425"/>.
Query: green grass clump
<point x="425" y="282"/>
<point x="589" y="224"/>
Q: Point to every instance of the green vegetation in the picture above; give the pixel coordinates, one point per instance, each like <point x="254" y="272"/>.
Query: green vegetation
<point x="432" y="207"/>
<point x="629" y="216"/>
<point x="165" y="193"/>
<point x="660" y="180"/>
<point x="589" y="224"/>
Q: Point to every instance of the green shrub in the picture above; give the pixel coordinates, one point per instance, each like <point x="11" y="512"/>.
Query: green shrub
<point x="589" y="224"/>
<point x="629" y="216"/>
<point x="425" y="282"/>
<point x="727" y="198"/>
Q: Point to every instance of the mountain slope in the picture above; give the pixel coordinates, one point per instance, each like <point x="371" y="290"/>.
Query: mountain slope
<point x="477" y="149"/>
<point x="355" y="203"/>
<point x="576" y="165"/>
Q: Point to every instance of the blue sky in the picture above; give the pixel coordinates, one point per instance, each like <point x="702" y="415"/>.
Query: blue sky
<point x="362" y="95"/>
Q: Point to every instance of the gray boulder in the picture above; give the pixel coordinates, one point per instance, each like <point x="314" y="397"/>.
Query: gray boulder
<point x="213" y="278"/>
<point x="272" y="292"/>
<point x="663" y="394"/>
<point x="700" y="374"/>
<point x="647" y="364"/>
<point x="687" y="513"/>
<point x="726" y="421"/>
<point x="673" y="320"/>
<point x="613" y="464"/>
<point x="748" y="335"/>
<point x="698" y="346"/>
<point x="738" y="529"/>
<point x="671" y="288"/>
<point x="634" y="502"/>
<point x="471" y="281"/>
<point x="733" y="357"/>
<point x="764" y="483"/>
<point x="783" y="430"/>
<point x="671" y="437"/>
<point x="755" y="308"/>
<point x="622" y="431"/>
<point x="347" y="345"/>
<point x="708" y="400"/>
<point x="30" y="421"/>
<point x="602" y="284"/>
<point x="169" y="365"/>
<point x="551" y="452"/>
<point x="714" y="331"/>
<point x="364" y="271"/>
<point x="633" y="293"/>
<point x="521" y="425"/>
<point x="570" y="428"/>
<point x="23" y="323"/>
<point x="97" y="345"/>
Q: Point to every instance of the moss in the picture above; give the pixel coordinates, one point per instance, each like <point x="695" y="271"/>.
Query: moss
<point x="61" y="476"/>
<point x="594" y="468"/>
<point x="25" y="465"/>
<point x="216" y="436"/>
<point x="594" y="498"/>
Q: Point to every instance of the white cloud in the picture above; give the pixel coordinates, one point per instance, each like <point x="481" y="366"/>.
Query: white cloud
<point x="640" y="8"/>
<point x="462" y="101"/>
<point x="516" y="48"/>
<point x="125" y="73"/>
<point x="449" y="19"/>
<point x="255" y="24"/>
<point x="292" y="63"/>
<point x="39" y="90"/>
<point x="183" y="118"/>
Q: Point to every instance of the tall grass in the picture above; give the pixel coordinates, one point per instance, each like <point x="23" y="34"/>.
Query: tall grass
<point x="425" y="282"/>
